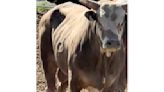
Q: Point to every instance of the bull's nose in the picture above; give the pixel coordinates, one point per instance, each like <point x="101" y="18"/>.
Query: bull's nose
<point x="111" y="44"/>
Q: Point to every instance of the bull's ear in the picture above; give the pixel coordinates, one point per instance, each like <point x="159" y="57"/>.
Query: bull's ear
<point x="91" y="15"/>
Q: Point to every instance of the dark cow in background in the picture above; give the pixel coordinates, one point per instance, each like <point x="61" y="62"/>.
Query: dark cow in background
<point x="63" y="1"/>
<point x="83" y="47"/>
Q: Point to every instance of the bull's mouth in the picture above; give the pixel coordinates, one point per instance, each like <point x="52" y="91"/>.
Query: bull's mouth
<point x="108" y="51"/>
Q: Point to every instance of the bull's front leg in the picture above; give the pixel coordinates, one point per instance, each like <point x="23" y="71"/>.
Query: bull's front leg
<point x="72" y="78"/>
<point x="69" y="78"/>
<point x="75" y="84"/>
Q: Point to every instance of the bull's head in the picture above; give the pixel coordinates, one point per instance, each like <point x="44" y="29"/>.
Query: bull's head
<point x="109" y="23"/>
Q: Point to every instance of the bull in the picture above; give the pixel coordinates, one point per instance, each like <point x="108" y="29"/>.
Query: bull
<point x="83" y="46"/>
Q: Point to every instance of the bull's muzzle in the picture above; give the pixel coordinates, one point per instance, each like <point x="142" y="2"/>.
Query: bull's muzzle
<point x="111" y="45"/>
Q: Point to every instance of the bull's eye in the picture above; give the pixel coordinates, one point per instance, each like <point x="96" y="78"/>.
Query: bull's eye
<point x="100" y="27"/>
<point x="119" y="27"/>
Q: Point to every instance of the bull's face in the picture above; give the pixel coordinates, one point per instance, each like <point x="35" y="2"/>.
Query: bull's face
<point x="109" y="26"/>
<point x="109" y="23"/>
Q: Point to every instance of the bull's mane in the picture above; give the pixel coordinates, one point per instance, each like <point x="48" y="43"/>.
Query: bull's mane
<point x="73" y="31"/>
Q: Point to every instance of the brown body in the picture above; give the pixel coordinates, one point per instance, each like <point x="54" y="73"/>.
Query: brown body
<point x="69" y="44"/>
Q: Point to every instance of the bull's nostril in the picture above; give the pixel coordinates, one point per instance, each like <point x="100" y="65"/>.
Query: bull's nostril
<point x="108" y="43"/>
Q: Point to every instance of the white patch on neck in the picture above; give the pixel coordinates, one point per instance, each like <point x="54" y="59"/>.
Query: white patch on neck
<point x="102" y="12"/>
<point x="108" y="54"/>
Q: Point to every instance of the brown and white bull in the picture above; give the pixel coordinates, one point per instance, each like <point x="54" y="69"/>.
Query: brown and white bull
<point x="83" y="47"/>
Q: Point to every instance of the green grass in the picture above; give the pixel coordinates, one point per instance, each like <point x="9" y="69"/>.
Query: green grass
<point x="43" y="6"/>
